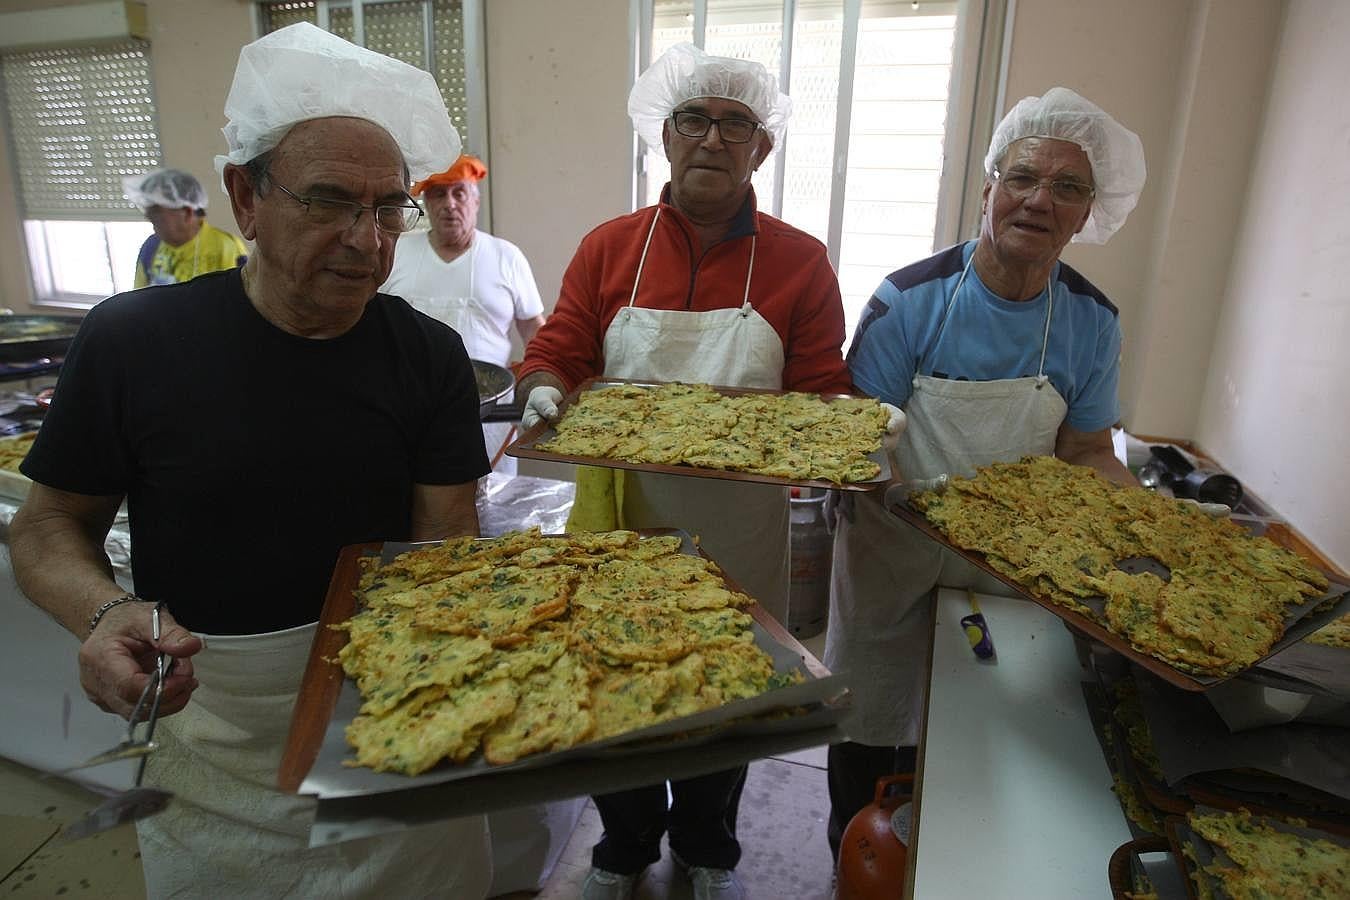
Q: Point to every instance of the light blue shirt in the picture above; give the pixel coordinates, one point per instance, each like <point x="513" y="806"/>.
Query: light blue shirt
<point x="988" y="338"/>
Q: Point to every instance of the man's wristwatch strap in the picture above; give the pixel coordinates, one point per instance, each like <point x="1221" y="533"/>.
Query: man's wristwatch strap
<point x="116" y="601"/>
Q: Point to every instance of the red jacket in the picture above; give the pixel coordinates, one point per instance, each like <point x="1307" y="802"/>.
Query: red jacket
<point x="792" y="287"/>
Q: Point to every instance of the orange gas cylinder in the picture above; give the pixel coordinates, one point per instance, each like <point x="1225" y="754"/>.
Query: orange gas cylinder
<point x="874" y="851"/>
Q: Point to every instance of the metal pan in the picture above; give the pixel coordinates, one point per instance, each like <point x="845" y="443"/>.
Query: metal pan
<point x="527" y="447"/>
<point x="1300" y="620"/>
<point x="27" y="338"/>
<point x="494" y="383"/>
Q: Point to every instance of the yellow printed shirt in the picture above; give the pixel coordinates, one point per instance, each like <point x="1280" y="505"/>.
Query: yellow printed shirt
<point x="210" y="251"/>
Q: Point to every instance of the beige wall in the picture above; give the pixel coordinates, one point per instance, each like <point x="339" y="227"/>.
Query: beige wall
<point x="1228" y="273"/>
<point x="1189" y="78"/>
<point x="1276" y="407"/>
<point x="559" y="136"/>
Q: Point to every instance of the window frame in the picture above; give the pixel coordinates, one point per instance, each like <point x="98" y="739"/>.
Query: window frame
<point x="474" y="36"/>
<point x="34" y="240"/>
<point x="979" y="66"/>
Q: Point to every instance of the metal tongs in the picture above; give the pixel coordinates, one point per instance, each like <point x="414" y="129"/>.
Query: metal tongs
<point x="133" y="747"/>
<point x="138" y="802"/>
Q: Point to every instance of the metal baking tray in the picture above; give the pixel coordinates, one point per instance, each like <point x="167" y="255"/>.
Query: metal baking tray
<point x="1127" y="870"/>
<point x="1300" y="620"/>
<point x="527" y="447"/>
<point x="26" y="338"/>
<point x="1180" y="835"/>
<point x="312" y="762"/>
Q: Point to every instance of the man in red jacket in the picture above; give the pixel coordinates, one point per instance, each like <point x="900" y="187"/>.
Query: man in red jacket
<point x="701" y="287"/>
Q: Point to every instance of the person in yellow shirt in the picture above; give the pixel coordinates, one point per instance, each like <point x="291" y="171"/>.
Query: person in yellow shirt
<point x="183" y="245"/>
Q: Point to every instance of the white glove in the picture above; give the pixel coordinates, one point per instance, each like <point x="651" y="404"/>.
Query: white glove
<point x="898" y="493"/>
<point x="542" y="405"/>
<point x="1213" y="510"/>
<point x="895" y="426"/>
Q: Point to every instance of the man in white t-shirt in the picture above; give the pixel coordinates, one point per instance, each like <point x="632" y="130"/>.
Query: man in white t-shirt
<point x="476" y="283"/>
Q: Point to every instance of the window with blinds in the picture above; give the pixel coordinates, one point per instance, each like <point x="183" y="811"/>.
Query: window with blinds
<point x="80" y="118"/>
<point x="428" y="34"/>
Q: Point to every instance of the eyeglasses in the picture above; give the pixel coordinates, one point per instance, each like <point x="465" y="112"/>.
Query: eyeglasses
<point x="696" y="125"/>
<point x="1063" y="191"/>
<point x="327" y="211"/>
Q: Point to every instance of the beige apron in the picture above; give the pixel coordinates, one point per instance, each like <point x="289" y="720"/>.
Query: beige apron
<point x="462" y="312"/>
<point x="878" y="629"/>
<point x="229" y="833"/>
<point x="742" y="526"/>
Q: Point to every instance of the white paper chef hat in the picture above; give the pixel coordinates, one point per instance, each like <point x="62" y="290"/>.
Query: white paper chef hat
<point x="684" y="72"/>
<point x="167" y="188"/>
<point x="1115" y="152"/>
<point x="301" y="72"/>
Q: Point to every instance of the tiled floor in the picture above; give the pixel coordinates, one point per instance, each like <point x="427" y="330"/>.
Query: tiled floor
<point x="781" y="826"/>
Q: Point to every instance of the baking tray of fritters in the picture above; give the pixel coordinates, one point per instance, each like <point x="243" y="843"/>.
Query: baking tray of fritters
<point x="1286" y="857"/>
<point x="714" y="441"/>
<point x="802" y="707"/>
<point x="1113" y="702"/>
<point x="1131" y="876"/>
<point x="1087" y="612"/>
<point x="1295" y="769"/>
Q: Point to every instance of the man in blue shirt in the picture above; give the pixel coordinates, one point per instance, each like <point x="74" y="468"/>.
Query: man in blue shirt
<point x="994" y="349"/>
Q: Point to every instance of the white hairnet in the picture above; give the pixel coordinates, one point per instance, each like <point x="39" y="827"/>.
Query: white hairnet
<point x="684" y="72"/>
<point x="169" y="188"/>
<point x="301" y="72"/>
<point x="1115" y="152"/>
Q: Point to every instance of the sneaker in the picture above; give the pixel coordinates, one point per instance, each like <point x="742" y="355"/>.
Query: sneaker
<point x="711" y="884"/>
<point x="602" y="885"/>
<point x="715" y="884"/>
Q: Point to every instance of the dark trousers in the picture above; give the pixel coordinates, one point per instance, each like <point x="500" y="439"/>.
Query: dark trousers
<point x="701" y="820"/>
<point x="852" y="771"/>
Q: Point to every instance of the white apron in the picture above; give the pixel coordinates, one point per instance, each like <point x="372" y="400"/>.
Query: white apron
<point x="228" y="832"/>
<point x="879" y="629"/>
<point x="461" y="311"/>
<point x="743" y="526"/>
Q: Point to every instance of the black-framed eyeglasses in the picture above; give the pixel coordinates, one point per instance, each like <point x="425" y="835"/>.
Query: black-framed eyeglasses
<point x="731" y="130"/>
<point x="1063" y="191"/>
<point x="329" y="211"/>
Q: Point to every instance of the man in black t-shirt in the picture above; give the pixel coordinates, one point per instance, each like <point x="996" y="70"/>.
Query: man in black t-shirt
<point x="256" y="421"/>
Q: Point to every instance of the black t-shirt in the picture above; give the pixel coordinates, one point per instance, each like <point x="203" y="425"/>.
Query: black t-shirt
<point x="249" y="455"/>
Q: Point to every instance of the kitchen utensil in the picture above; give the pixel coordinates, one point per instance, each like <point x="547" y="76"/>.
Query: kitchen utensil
<point x="977" y="630"/>
<point x="128" y="806"/>
<point x="1210" y="487"/>
<point x="133" y="747"/>
<point x="494" y="383"/>
<point x="138" y="802"/>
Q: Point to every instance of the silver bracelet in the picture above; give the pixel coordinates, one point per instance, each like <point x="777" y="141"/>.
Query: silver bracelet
<point x="103" y="610"/>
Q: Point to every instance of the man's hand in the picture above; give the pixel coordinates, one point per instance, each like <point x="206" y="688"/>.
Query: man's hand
<point x="895" y="426"/>
<point x="117" y="659"/>
<point x="541" y="405"/>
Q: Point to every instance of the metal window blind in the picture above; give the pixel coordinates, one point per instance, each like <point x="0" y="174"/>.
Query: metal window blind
<point x="80" y="118"/>
<point x="397" y="28"/>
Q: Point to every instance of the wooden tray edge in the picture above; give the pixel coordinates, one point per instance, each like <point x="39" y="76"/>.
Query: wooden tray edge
<point x="322" y="680"/>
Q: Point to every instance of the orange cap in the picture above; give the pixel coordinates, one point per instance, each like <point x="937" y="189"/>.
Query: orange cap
<point x="466" y="168"/>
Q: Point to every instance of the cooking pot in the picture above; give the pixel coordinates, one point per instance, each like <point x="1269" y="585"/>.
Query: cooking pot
<point x="494" y="383"/>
